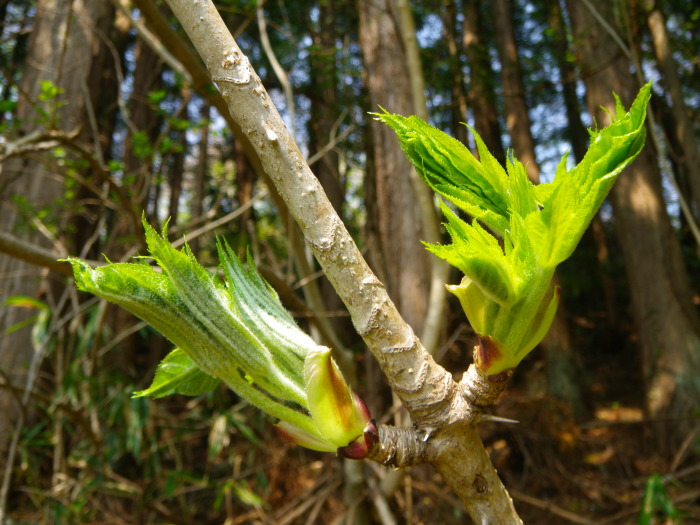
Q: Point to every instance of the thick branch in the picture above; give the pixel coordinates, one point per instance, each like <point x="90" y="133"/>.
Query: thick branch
<point x="429" y="393"/>
<point x="402" y="447"/>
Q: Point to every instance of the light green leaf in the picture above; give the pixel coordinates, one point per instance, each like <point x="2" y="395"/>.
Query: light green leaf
<point x="195" y="311"/>
<point x="522" y="200"/>
<point x="260" y="309"/>
<point x="577" y="194"/>
<point x="479" y="255"/>
<point x="449" y="168"/>
<point x="519" y="232"/>
<point x="177" y="374"/>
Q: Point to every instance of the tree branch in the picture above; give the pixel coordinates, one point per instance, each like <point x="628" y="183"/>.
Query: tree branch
<point x="33" y="254"/>
<point x="426" y="390"/>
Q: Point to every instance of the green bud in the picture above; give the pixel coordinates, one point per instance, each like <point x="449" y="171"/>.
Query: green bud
<point x="340" y="416"/>
<point x="506" y="334"/>
<point x="235" y="331"/>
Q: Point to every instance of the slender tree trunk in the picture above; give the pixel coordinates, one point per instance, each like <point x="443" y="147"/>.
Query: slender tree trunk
<point x="684" y="131"/>
<point x="64" y="45"/>
<point x="482" y="98"/>
<point x="458" y="109"/>
<point x="142" y="119"/>
<point x="667" y="325"/>
<point x="245" y="180"/>
<point x="176" y="175"/>
<point x="201" y="172"/>
<point x="517" y="117"/>
<point x="393" y="214"/>
<point x="9" y="67"/>
<point x="579" y="139"/>
<point x="324" y="104"/>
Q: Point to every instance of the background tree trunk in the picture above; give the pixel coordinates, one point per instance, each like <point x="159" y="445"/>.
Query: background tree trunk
<point x="579" y="139"/>
<point x="517" y="117"/>
<point x="64" y="47"/>
<point x="393" y="217"/>
<point x="683" y="129"/>
<point x="482" y="98"/>
<point x="667" y="325"/>
<point x="458" y="109"/>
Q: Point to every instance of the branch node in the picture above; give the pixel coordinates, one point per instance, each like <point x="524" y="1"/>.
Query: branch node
<point x="480" y="390"/>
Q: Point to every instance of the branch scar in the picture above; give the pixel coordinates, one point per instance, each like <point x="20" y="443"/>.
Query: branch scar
<point x="239" y="66"/>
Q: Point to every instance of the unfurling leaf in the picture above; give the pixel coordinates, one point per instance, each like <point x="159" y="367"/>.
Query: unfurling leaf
<point x="527" y="230"/>
<point x="235" y="331"/>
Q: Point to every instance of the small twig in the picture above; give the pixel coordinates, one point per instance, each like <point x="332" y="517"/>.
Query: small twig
<point x="321" y="490"/>
<point x="683" y="449"/>
<point x="153" y="41"/>
<point x="31" y="253"/>
<point x="49" y="236"/>
<point x="221" y="221"/>
<point x="277" y="68"/>
<point x="551" y="507"/>
<point x="119" y="338"/>
<point x="332" y="143"/>
<point x="401" y="447"/>
<point x="386" y="517"/>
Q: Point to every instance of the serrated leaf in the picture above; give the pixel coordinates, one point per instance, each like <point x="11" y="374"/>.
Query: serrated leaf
<point x="577" y="194"/>
<point x="195" y="311"/>
<point x="449" y="168"/>
<point x="479" y="255"/>
<point x="177" y="374"/>
<point x="507" y="292"/>
<point x="522" y="199"/>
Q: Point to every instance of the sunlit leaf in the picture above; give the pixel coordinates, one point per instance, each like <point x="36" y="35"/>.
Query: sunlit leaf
<point x="517" y="233"/>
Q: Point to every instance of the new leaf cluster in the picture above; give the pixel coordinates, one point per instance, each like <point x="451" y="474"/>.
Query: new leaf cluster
<point x="517" y="232"/>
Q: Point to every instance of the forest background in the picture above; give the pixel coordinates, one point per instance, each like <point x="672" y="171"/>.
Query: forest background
<point x="105" y="112"/>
